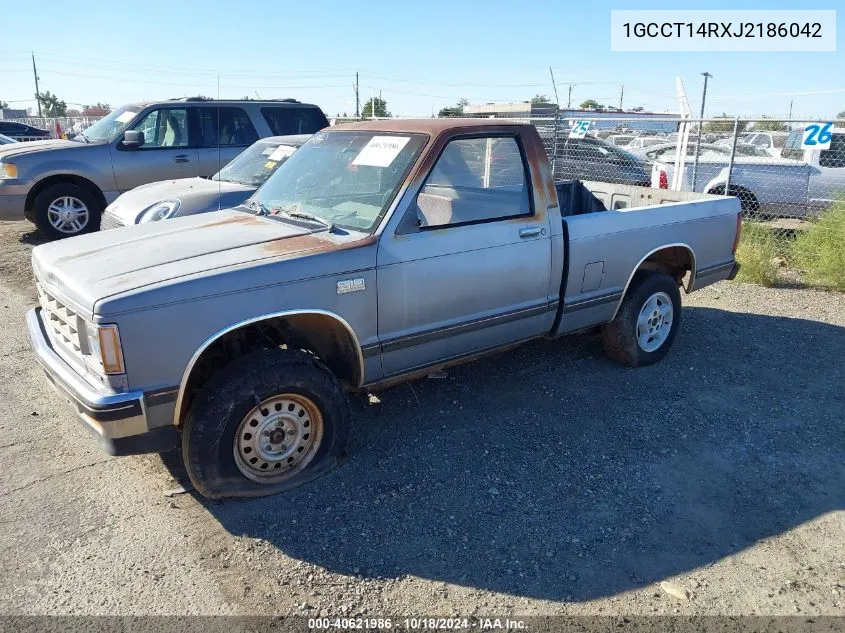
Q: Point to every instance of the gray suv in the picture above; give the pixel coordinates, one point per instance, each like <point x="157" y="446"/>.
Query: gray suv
<point x="63" y="186"/>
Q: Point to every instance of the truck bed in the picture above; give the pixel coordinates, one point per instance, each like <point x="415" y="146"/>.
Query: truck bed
<point x="610" y="230"/>
<point x="577" y="197"/>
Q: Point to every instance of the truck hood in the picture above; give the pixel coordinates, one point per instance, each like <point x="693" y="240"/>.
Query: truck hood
<point x="195" y="195"/>
<point x="89" y="268"/>
<point x="32" y="147"/>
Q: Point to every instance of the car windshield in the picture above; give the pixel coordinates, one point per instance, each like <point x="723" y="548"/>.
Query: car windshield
<point x="256" y="164"/>
<point x="109" y="126"/>
<point x="343" y="178"/>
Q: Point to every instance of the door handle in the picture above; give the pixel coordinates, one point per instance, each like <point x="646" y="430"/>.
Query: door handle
<point x="181" y="158"/>
<point x="530" y="231"/>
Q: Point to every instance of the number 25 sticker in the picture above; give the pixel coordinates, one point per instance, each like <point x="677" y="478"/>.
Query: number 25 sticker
<point x="579" y="129"/>
<point x="817" y="136"/>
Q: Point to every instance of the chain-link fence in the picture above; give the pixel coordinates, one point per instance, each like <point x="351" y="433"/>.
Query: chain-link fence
<point x="788" y="174"/>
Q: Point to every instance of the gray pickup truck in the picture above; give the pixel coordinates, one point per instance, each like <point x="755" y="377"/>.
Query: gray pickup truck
<point x="379" y="252"/>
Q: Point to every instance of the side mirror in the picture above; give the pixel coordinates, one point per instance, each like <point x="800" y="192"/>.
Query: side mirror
<point x="133" y="138"/>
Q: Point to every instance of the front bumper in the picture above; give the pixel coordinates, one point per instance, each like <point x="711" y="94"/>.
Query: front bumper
<point x="117" y="420"/>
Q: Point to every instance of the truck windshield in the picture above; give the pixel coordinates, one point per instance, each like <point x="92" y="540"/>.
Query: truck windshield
<point x="109" y="126"/>
<point x="256" y="164"/>
<point x="344" y="178"/>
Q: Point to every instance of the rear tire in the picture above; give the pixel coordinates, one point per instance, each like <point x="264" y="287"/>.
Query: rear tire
<point x="268" y="422"/>
<point x="647" y="321"/>
<point x="65" y="209"/>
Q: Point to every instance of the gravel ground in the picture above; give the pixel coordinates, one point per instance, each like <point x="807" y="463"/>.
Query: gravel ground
<point x="543" y="481"/>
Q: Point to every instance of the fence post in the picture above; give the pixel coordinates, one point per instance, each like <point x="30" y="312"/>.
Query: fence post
<point x="733" y="154"/>
<point x="554" y="145"/>
<point x="697" y="152"/>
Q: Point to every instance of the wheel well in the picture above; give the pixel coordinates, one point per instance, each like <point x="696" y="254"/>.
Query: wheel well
<point x="63" y="178"/>
<point x="675" y="261"/>
<point x="747" y="199"/>
<point x="322" y="335"/>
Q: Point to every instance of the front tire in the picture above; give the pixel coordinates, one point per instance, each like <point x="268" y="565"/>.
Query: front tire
<point x="268" y="422"/>
<point x="64" y="210"/>
<point x="647" y="321"/>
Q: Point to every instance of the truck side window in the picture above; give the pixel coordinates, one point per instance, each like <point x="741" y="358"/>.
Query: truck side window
<point x="793" y="148"/>
<point x="835" y="156"/>
<point x="475" y="180"/>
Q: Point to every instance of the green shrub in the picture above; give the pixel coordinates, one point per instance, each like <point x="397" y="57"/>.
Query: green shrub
<point x="758" y="254"/>
<point x="819" y="252"/>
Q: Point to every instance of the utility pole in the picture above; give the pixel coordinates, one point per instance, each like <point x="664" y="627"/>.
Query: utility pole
<point x="37" y="93"/>
<point x="569" y="98"/>
<point x="357" y="99"/>
<point x="621" y="94"/>
<point x="790" y="110"/>
<point x="700" y="125"/>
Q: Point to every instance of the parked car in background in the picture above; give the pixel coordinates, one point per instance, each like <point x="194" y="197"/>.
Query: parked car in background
<point x="5" y="140"/>
<point x="22" y="131"/>
<point x="595" y="159"/>
<point x="644" y="141"/>
<point x="380" y="251"/>
<point x="63" y="186"/>
<point x="802" y="183"/>
<point x="772" y="142"/>
<point x="666" y="151"/>
<point x="188" y="196"/>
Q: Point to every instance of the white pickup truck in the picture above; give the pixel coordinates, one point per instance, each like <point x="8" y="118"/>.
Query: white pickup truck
<point x="800" y="184"/>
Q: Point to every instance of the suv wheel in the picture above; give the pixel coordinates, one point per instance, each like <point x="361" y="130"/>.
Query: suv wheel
<point x="65" y="210"/>
<point x="266" y="423"/>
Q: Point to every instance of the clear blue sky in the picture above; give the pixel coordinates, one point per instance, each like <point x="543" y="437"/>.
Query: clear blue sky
<point x="421" y="56"/>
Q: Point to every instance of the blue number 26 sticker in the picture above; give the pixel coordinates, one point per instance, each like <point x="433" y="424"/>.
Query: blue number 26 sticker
<point x="817" y="136"/>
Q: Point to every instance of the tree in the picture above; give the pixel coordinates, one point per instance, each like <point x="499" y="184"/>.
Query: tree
<point x="376" y="103"/>
<point x="769" y="125"/>
<point x="841" y="115"/>
<point x="591" y="104"/>
<point x="3" y="105"/>
<point x="637" y="109"/>
<point x="455" y="110"/>
<point x="539" y="99"/>
<point x="725" y="124"/>
<point x="51" y="105"/>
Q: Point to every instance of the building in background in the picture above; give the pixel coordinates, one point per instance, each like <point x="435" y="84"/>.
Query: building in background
<point x="7" y="114"/>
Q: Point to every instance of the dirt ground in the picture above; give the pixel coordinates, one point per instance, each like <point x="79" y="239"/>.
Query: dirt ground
<point x="547" y="480"/>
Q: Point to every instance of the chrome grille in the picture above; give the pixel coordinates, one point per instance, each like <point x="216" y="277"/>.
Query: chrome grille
<point x="62" y="323"/>
<point x="110" y="221"/>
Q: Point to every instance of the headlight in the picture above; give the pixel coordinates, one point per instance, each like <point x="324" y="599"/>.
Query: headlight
<point x="159" y="211"/>
<point x="8" y="170"/>
<point x="104" y="347"/>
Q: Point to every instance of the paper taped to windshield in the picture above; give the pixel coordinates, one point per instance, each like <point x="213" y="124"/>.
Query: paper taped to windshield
<point x="381" y="151"/>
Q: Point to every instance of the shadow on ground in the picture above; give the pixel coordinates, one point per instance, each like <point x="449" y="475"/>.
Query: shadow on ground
<point x="549" y="472"/>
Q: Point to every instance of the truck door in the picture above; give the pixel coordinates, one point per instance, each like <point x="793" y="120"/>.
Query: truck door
<point x="469" y="267"/>
<point x="167" y="152"/>
<point x="827" y="179"/>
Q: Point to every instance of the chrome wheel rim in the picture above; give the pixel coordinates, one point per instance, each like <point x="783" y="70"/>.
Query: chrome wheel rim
<point x="278" y="438"/>
<point x="655" y="322"/>
<point x="68" y="214"/>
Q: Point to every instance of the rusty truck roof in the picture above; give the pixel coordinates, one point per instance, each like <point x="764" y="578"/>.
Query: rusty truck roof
<point x="434" y="127"/>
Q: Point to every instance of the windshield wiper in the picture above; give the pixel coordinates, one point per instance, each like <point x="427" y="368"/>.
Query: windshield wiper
<point x="256" y="206"/>
<point x="307" y="216"/>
